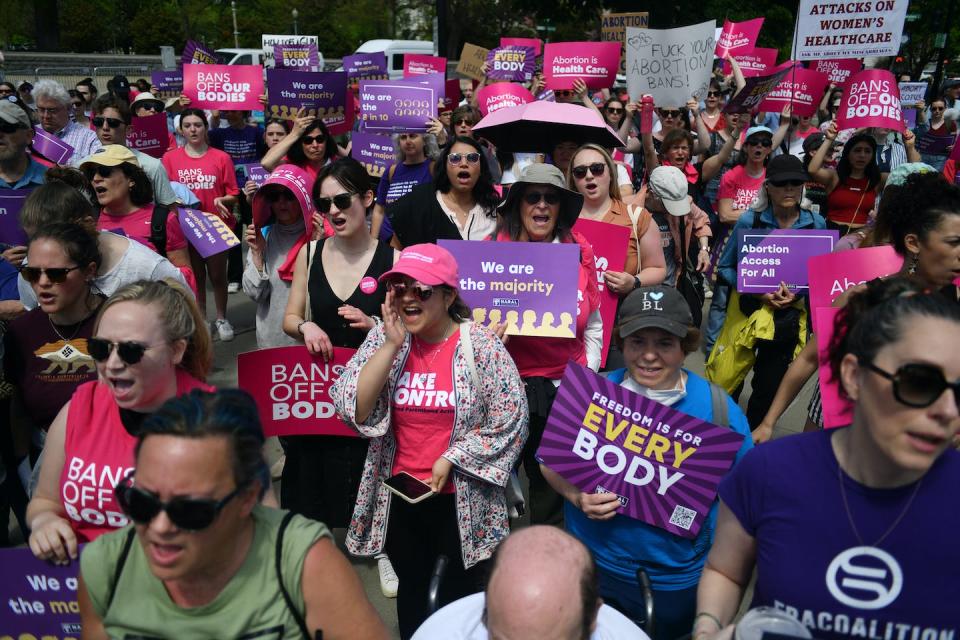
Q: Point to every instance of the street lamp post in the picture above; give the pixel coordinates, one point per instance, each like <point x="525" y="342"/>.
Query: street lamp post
<point x="295" y="14"/>
<point x="236" y="34"/>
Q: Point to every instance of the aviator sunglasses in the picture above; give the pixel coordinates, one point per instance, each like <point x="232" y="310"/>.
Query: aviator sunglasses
<point x="56" y="275"/>
<point x="596" y="169"/>
<point x="129" y="351"/>
<point x="917" y="385"/>
<point x="191" y="514"/>
<point x="112" y="123"/>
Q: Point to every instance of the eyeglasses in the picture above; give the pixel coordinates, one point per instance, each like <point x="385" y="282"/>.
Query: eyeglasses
<point x="764" y="142"/>
<point x="472" y="158"/>
<point x="787" y="183"/>
<point x="308" y="140"/>
<point x="714" y="94"/>
<point x="112" y="123"/>
<point x="130" y="352"/>
<point x="7" y="127"/>
<point x="99" y="170"/>
<point x="421" y="291"/>
<point x="918" y="385"/>
<point x="596" y="170"/>
<point x="534" y="197"/>
<point x="341" y="201"/>
<point x="51" y="111"/>
<point x="56" y="275"/>
<point x="190" y="514"/>
<point x="673" y="113"/>
<point x="6" y="92"/>
<point x="615" y="110"/>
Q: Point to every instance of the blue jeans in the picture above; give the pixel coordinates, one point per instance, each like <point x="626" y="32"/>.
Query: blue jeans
<point x="673" y="611"/>
<point x="716" y="315"/>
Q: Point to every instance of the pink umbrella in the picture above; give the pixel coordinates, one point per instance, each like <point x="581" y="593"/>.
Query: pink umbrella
<point x="539" y="126"/>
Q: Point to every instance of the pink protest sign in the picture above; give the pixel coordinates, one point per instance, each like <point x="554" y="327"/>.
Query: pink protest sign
<point x="417" y="64"/>
<point x="149" y="135"/>
<point x="610" y="242"/>
<point x="220" y="86"/>
<point x="871" y="99"/>
<point x="51" y="147"/>
<point x="501" y="95"/>
<point x="801" y="88"/>
<point x="536" y="43"/>
<point x="838" y="71"/>
<point x="837" y="410"/>
<point x="206" y="232"/>
<point x="753" y="62"/>
<point x="737" y="36"/>
<point x="292" y="390"/>
<point x="596" y="63"/>
<point x="451" y="94"/>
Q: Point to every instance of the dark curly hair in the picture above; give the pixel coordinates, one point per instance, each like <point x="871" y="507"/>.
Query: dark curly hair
<point x="299" y="158"/>
<point x="871" y="171"/>
<point x="483" y="192"/>
<point x="918" y="207"/>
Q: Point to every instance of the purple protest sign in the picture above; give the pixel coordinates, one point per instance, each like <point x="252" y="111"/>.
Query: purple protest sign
<point x="374" y="151"/>
<point x="11" y="202"/>
<point x="206" y="232"/>
<point x="396" y="105"/>
<point x="301" y="57"/>
<point x="754" y="92"/>
<point x="51" y="147"/>
<point x="934" y="144"/>
<point x="663" y="465"/>
<point x="322" y="93"/>
<point x="366" y="66"/>
<point x="149" y="135"/>
<point x="168" y="82"/>
<point x="768" y="257"/>
<point x="530" y="287"/>
<point x="513" y="64"/>
<point x="39" y="599"/>
<point x="255" y="172"/>
<point x="196" y="53"/>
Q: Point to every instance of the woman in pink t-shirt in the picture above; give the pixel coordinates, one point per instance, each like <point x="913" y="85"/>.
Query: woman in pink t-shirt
<point x="740" y="185"/>
<point x="209" y="173"/>
<point x="150" y="344"/>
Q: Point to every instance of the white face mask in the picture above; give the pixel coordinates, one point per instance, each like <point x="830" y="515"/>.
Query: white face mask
<point x="668" y="397"/>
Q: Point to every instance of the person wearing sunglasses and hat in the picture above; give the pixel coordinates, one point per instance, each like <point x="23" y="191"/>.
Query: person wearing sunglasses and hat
<point x="837" y="526"/>
<point x="208" y="560"/>
<point x="147" y="104"/>
<point x="655" y="333"/>
<point x="440" y="399"/>
<point x="150" y="344"/>
<point x="18" y="170"/>
<point x="539" y="208"/>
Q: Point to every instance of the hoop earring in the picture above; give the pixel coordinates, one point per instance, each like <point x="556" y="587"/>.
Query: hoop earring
<point x="914" y="261"/>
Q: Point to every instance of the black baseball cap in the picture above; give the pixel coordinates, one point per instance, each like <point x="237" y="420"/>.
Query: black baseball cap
<point x="659" y="306"/>
<point x="786" y="167"/>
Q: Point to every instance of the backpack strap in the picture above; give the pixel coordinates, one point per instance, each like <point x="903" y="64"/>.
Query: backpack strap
<point x="283" y="589"/>
<point x="121" y="561"/>
<point x="311" y="252"/>
<point x="158" y="228"/>
<point x="467" y="343"/>
<point x="639" y="215"/>
<point x="718" y="406"/>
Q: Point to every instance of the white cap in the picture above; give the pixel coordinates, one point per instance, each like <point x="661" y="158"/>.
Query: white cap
<point x="670" y="185"/>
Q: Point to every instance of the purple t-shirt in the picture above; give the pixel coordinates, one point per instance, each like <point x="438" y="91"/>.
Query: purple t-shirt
<point x="810" y="564"/>
<point x="405" y="178"/>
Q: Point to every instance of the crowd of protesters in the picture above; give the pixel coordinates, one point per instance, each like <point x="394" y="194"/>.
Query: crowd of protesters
<point x="116" y="437"/>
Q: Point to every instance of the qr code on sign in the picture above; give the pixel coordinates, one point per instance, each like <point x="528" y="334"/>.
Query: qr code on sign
<point x="683" y="517"/>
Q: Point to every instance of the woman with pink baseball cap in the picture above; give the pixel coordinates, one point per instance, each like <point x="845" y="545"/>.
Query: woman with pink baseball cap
<point x="441" y="400"/>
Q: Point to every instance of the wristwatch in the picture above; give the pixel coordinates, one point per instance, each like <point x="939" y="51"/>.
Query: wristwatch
<point x="636" y="282"/>
<point x="300" y="326"/>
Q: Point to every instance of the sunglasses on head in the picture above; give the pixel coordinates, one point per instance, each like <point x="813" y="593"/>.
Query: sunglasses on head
<point x="113" y="123"/>
<point x="918" y="385"/>
<point x="56" y="275"/>
<point x="787" y="183"/>
<point x="319" y="139"/>
<point x="762" y="142"/>
<point x="596" y="169"/>
<point x="190" y="514"/>
<point x="341" y="201"/>
<point x="472" y="158"/>
<point x="421" y="291"/>
<point x="99" y="170"/>
<point x="130" y="352"/>
<point x="534" y="197"/>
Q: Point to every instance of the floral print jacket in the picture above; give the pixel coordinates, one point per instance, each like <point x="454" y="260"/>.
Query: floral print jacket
<point x="490" y="428"/>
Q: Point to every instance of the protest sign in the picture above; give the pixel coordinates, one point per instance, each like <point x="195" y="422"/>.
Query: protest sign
<point x="829" y="29"/>
<point x="292" y="390"/>
<point x="871" y="99"/>
<point x="221" y="86"/>
<point x="38" y="599"/>
<point x="595" y="63"/>
<point x="536" y="43"/>
<point x="754" y="92"/>
<point x="322" y="93"/>
<point x="451" y="94"/>
<point x="753" y="62"/>
<point x="513" y="64"/>
<point x="501" y="95"/>
<point x="51" y="147"/>
<point x="530" y="287"/>
<point x="168" y="83"/>
<point x="254" y="172"/>
<point x="369" y="66"/>
<point x="837" y="71"/>
<point x="801" y="88"/>
<point x="374" y="151"/>
<point x="149" y="135"/>
<point x="912" y="92"/>
<point x="767" y="257"/>
<point x="11" y="202"/>
<point x="471" y="59"/>
<point x="196" y="53"/>
<point x="419" y="64"/>
<point x="613" y="28"/>
<point x="663" y="465"/>
<point x="737" y="36"/>
<point x="933" y="144"/>
<point x="303" y="57"/>
<point x="670" y="64"/>
<point x="610" y="242"/>
<point x="396" y="105"/>
<point x="268" y="41"/>
<point x="832" y="274"/>
<point x="206" y="232"/>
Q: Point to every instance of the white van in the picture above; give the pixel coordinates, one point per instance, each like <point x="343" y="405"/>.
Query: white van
<point x="239" y="56"/>
<point x="394" y="50"/>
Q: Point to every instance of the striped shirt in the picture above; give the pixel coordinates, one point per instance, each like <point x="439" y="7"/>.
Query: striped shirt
<point x="83" y="140"/>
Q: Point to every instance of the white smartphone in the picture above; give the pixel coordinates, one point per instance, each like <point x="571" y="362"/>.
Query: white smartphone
<point x="409" y="488"/>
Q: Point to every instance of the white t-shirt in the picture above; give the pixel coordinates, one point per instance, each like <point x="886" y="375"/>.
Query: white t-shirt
<point x="479" y="225"/>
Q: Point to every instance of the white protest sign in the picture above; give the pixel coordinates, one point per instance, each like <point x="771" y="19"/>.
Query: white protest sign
<point x="834" y="29"/>
<point x="912" y="92"/>
<point x="672" y="65"/>
<point x="268" y="41"/>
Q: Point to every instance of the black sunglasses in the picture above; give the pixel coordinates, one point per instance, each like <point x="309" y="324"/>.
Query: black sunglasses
<point x="7" y="127"/>
<point x="917" y="385"/>
<point x="763" y="142"/>
<point x="596" y="169"/>
<point x="423" y="292"/>
<point x="190" y="514"/>
<point x="714" y="94"/>
<point x="99" y="170"/>
<point x="341" y="201"/>
<point x="130" y="352"/>
<point x="113" y="123"/>
<point x="787" y="183"/>
<point x="670" y="114"/>
<point x="149" y="106"/>
<point x="319" y="139"/>
<point x="280" y="194"/>
<point x="534" y="197"/>
<point x="56" y="275"/>
<point x="614" y="110"/>
<point x="472" y="158"/>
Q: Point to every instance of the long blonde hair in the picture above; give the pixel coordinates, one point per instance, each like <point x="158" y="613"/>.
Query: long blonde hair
<point x="611" y="169"/>
<point x="179" y="314"/>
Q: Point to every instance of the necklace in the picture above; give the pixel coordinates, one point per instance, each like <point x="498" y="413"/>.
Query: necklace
<point x="435" y="350"/>
<point x="79" y="325"/>
<point x="853" y="526"/>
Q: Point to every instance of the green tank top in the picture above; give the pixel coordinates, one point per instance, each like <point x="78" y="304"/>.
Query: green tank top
<point x="250" y="606"/>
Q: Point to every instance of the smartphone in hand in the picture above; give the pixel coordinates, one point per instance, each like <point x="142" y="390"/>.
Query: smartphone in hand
<point x="409" y="488"/>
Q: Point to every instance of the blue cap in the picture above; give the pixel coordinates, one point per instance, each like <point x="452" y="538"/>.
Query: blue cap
<point x="755" y="130"/>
